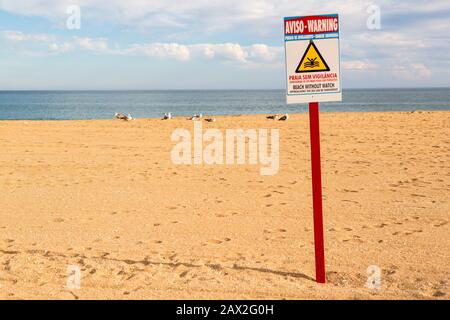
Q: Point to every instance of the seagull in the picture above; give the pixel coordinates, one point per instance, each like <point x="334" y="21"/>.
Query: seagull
<point x="284" y="118"/>
<point x="196" y="117"/>
<point x="274" y="117"/>
<point x="210" y="120"/>
<point x="121" y="116"/>
<point x="167" y="116"/>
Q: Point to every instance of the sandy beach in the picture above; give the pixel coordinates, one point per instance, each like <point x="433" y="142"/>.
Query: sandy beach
<point x="105" y="196"/>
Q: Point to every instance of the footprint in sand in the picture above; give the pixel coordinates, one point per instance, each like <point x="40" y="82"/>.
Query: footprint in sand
<point x="413" y="231"/>
<point x="276" y="234"/>
<point x="172" y="257"/>
<point x="183" y="274"/>
<point x="215" y="241"/>
<point x="347" y="190"/>
<point x="382" y="225"/>
<point x="441" y="224"/>
<point x="418" y="195"/>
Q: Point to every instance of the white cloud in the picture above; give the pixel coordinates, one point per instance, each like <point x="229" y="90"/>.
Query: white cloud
<point x="413" y="72"/>
<point x="389" y="40"/>
<point x="264" y="53"/>
<point x="159" y="50"/>
<point x="229" y="52"/>
<point x="90" y="44"/>
<point x="98" y="44"/>
<point x="19" y="36"/>
<point x="359" y="65"/>
<point x="60" y="48"/>
<point x="224" y="51"/>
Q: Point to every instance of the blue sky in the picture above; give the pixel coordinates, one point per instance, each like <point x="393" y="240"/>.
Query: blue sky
<point x="200" y="44"/>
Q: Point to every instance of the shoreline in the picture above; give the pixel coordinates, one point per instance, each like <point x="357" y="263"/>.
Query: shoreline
<point x="230" y="116"/>
<point x="150" y="90"/>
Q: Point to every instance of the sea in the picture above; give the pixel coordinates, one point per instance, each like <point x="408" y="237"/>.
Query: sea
<point x="87" y="105"/>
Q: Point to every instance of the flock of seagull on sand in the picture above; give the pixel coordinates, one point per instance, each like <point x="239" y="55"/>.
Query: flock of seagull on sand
<point x="196" y="117"/>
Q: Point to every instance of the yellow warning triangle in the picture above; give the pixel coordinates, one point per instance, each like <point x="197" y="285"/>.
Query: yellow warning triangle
<point x="312" y="60"/>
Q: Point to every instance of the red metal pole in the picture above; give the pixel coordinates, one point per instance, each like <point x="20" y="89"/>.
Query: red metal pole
<point x="317" y="191"/>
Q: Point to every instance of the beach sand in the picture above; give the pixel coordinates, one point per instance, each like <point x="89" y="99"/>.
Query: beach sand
<point x="106" y="197"/>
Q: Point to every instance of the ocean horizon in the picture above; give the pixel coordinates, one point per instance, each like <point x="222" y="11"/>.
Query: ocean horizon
<point x="102" y="104"/>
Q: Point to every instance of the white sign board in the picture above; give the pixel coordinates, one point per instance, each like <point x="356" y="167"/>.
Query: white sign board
<point x="312" y="59"/>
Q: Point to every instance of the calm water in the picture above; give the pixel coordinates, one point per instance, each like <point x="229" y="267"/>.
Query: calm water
<point x="59" y="105"/>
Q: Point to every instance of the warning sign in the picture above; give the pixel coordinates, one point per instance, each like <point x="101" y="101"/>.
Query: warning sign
<point x="312" y="59"/>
